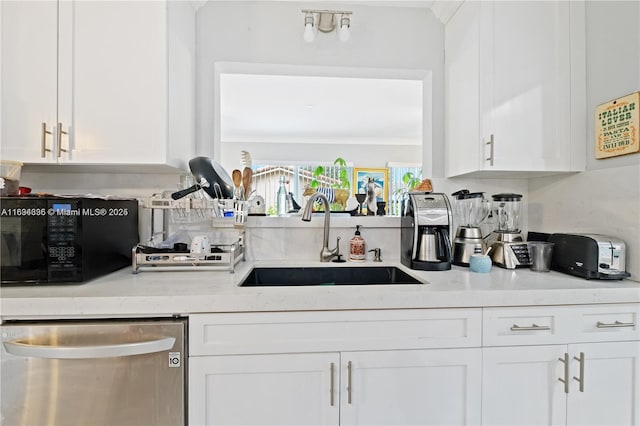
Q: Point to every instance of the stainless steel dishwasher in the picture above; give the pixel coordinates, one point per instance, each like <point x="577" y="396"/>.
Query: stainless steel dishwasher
<point x="111" y="372"/>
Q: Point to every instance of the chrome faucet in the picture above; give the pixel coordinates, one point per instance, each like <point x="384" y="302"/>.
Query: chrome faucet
<point x="326" y="254"/>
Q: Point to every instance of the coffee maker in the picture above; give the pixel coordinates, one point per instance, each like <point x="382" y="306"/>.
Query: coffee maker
<point x="425" y="233"/>
<point x="471" y="209"/>
<point x="508" y="247"/>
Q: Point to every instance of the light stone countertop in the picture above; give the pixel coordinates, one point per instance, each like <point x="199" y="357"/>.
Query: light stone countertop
<point x="151" y="294"/>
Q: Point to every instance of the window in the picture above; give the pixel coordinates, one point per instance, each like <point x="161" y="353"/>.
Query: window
<point x="299" y="177"/>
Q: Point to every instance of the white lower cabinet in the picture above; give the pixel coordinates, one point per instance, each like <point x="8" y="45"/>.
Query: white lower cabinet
<point x="543" y="365"/>
<point x="520" y="386"/>
<point x="414" y="387"/>
<point x="595" y="383"/>
<point x="321" y="368"/>
<point x="611" y="391"/>
<point x="282" y="389"/>
<point x="407" y="387"/>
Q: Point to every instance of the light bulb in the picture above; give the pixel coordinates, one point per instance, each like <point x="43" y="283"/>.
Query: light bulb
<point x="308" y="34"/>
<point x="344" y="32"/>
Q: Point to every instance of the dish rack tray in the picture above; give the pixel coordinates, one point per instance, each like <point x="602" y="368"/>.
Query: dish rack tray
<point x="222" y="257"/>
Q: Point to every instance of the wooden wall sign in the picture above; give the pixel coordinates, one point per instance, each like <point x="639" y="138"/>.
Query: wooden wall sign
<point x="617" y="126"/>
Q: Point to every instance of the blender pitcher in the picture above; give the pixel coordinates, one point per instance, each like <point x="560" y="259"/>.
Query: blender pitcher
<point x="471" y="208"/>
<point x="506" y="209"/>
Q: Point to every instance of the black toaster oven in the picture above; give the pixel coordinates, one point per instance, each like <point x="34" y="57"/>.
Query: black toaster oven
<point x="589" y="256"/>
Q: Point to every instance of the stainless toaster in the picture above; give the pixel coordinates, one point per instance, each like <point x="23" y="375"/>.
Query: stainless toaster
<point x="589" y="256"/>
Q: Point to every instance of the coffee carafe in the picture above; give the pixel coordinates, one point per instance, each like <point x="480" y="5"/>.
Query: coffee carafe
<point x="508" y="248"/>
<point x="471" y="209"/>
<point x="425" y="235"/>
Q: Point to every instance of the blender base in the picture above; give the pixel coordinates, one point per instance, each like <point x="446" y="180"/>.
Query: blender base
<point x="468" y="241"/>
<point x="509" y="250"/>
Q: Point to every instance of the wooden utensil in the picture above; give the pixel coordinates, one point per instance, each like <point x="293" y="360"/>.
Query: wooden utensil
<point x="247" y="177"/>
<point x="236" y="175"/>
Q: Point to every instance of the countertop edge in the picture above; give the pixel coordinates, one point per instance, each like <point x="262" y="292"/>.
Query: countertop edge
<point x="165" y="294"/>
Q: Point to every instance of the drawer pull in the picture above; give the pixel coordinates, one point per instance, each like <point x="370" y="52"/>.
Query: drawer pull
<point x="490" y="143"/>
<point x="532" y="327"/>
<point x="581" y="378"/>
<point x="349" y="382"/>
<point x="43" y="147"/>
<point x="331" y="385"/>
<point x="565" y="361"/>
<point x="616" y="324"/>
<point x="60" y="133"/>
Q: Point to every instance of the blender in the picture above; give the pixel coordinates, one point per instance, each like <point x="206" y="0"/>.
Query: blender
<point x="471" y="208"/>
<point x="508" y="248"/>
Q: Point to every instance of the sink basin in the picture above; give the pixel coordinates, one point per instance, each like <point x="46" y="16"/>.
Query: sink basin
<point x="345" y="275"/>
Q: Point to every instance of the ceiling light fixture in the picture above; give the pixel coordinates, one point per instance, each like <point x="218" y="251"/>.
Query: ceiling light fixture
<point x="326" y="21"/>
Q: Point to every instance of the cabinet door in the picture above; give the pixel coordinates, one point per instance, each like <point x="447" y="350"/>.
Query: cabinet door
<point x="462" y="74"/>
<point x="113" y="83"/>
<point x="520" y="385"/>
<point x="29" y="71"/>
<point x="419" y="387"/>
<point x="289" y="389"/>
<point x="526" y="104"/>
<point x="611" y="373"/>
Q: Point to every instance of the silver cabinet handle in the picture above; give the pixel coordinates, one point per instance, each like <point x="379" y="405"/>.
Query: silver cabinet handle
<point x="331" y="385"/>
<point x="16" y="347"/>
<point x="490" y="143"/>
<point x="581" y="378"/>
<point x="565" y="360"/>
<point x="60" y="133"/>
<point x="349" y="382"/>
<point x="616" y="324"/>
<point x="532" y="327"/>
<point x="43" y="145"/>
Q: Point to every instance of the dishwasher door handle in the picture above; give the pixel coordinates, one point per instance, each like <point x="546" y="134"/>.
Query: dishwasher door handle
<point x="16" y="347"/>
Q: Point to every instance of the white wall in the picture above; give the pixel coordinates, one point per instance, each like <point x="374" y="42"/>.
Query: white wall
<point x="271" y="33"/>
<point x="606" y="198"/>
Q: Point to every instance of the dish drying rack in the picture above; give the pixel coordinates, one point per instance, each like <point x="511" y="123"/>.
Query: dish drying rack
<point x="221" y="256"/>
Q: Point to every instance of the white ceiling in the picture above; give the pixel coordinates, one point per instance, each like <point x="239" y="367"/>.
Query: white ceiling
<point x="295" y="109"/>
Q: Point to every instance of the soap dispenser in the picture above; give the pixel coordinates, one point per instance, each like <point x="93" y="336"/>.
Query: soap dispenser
<point x="357" y="249"/>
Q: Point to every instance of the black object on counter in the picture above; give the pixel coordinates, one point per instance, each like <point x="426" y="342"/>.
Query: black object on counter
<point x="589" y="256"/>
<point x="210" y="176"/>
<point x="537" y="236"/>
<point x="177" y="248"/>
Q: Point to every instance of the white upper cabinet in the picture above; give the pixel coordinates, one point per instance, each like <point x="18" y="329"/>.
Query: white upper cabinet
<point x="111" y="81"/>
<point x="515" y="89"/>
<point x="29" y="80"/>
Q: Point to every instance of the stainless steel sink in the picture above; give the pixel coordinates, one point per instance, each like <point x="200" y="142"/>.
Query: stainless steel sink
<point x="345" y="275"/>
